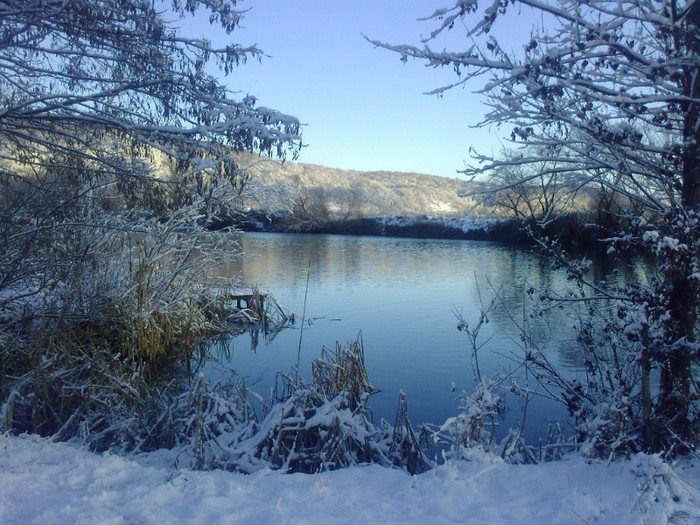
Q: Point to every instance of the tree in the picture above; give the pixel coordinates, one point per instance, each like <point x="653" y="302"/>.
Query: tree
<point x="608" y="93"/>
<point x="310" y="209"/>
<point x="93" y="95"/>
<point x="117" y="152"/>
<point x="546" y="197"/>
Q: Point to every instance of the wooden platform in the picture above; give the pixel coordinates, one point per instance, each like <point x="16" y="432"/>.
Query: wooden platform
<point x="248" y="299"/>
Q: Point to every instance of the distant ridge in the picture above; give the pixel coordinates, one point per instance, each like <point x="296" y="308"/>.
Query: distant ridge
<point x="298" y="197"/>
<point x="277" y="187"/>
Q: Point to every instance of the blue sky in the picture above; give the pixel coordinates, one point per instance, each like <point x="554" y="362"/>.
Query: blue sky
<point x="363" y="108"/>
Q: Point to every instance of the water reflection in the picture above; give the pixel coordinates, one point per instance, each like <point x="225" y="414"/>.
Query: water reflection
<point x="401" y="294"/>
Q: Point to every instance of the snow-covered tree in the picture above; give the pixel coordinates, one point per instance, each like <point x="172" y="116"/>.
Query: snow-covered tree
<point x="605" y="93"/>
<point x="117" y="146"/>
<point x="95" y="95"/>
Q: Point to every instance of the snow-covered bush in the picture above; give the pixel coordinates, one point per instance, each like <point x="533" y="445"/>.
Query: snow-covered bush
<point x="310" y="433"/>
<point x="325" y="426"/>
<point x="662" y="497"/>
<point x="475" y="424"/>
<point x="206" y="419"/>
<point x="607" y="427"/>
<point x="609" y="403"/>
<point x="66" y="391"/>
<point x="307" y="428"/>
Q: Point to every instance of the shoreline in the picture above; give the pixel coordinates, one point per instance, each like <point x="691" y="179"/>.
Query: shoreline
<point x="569" y="230"/>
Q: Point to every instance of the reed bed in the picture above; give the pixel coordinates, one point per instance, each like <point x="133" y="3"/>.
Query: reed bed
<point x="342" y="370"/>
<point x="306" y="428"/>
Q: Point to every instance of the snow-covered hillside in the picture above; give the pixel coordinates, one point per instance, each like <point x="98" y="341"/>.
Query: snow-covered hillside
<point x="57" y="483"/>
<point x="275" y="187"/>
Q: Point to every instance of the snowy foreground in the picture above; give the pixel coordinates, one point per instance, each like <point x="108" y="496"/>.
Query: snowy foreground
<point x="56" y="483"/>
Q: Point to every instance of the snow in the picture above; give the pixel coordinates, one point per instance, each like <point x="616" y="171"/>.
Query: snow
<point x="59" y="483"/>
<point x="460" y="224"/>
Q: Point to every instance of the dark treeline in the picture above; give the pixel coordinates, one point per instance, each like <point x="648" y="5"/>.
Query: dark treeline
<point x="574" y="229"/>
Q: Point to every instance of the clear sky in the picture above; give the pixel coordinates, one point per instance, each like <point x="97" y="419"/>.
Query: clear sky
<point x="363" y="108"/>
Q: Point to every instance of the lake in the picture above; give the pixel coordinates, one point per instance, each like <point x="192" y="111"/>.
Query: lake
<point x="402" y="295"/>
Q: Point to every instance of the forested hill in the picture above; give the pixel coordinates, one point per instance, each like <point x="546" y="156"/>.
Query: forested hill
<point x="280" y="187"/>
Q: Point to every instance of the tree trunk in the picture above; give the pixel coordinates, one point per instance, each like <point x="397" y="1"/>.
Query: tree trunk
<point x="676" y="373"/>
<point x="649" y="435"/>
<point x="674" y="395"/>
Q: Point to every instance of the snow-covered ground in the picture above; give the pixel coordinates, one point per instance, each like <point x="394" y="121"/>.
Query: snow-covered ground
<point x="463" y="225"/>
<point x="57" y="483"/>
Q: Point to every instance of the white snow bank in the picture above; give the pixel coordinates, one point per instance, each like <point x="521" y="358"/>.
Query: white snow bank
<point x="42" y="483"/>
<point x="464" y="225"/>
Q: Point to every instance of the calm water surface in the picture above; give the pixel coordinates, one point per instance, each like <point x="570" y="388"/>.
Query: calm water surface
<point x="401" y="294"/>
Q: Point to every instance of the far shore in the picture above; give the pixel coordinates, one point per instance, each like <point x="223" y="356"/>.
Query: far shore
<point x="570" y="230"/>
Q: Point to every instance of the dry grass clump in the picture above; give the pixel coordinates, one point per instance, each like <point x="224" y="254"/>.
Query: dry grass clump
<point x="110" y="400"/>
<point x="57" y="388"/>
<point x="64" y="377"/>
<point x="405" y="448"/>
<point x="323" y="426"/>
<point x="156" y="336"/>
<point x="206" y="419"/>
<point x="342" y="370"/>
<point x="94" y="345"/>
<point x="311" y="433"/>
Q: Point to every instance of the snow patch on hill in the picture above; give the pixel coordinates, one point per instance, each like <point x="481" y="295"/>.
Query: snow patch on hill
<point x="463" y="225"/>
